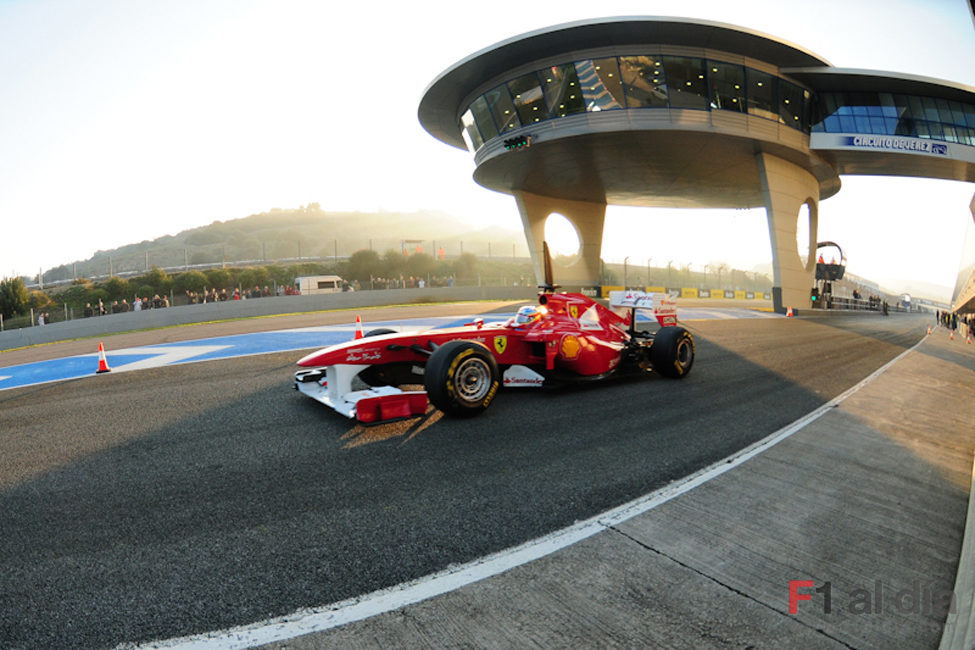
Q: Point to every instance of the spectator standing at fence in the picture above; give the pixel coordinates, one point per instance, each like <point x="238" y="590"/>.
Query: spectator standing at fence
<point x="89" y="312"/>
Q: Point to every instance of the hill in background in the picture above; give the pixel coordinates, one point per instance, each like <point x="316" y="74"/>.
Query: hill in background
<point x="307" y="232"/>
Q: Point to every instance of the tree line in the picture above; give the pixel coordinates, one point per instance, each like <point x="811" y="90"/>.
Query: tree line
<point x="362" y="268"/>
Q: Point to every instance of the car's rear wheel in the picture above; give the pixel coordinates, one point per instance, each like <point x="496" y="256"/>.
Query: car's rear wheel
<point x="462" y="378"/>
<point x="672" y="353"/>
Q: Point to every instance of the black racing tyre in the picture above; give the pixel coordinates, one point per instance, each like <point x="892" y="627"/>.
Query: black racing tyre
<point x="462" y="378"/>
<point x="672" y="353"/>
<point x="379" y="331"/>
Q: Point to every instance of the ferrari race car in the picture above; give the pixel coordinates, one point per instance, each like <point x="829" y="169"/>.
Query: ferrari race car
<point x="566" y="337"/>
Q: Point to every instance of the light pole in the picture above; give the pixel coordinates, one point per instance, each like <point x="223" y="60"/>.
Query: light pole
<point x="670" y="272"/>
<point x="648" y="271"/>
<point x="706" y="267"/>
<point x="625" y="283"/>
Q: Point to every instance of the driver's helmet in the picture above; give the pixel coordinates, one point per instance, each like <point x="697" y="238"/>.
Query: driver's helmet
<point x="527" y="314"/>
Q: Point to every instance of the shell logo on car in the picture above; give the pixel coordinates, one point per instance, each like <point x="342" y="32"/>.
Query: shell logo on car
<point x="570" y="347"/>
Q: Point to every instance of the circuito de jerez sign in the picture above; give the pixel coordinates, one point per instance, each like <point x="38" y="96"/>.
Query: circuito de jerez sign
<point x="894" y="143"/>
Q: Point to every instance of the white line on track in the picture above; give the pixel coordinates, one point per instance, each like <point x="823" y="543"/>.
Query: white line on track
<point x="319" y="619"/>
<point x="164" y="356"/>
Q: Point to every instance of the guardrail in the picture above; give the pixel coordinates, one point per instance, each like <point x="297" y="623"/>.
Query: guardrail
<point x="837" y="302"/>
<point x="269" y="306"/>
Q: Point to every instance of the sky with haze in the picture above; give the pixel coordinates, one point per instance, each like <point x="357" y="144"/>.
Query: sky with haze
<point x="129" y="120"/>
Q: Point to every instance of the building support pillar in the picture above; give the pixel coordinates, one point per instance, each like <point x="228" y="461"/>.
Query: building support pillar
<point x="588" y="220"/>
<point x="963" y="298"/>
<point x="786" y="187"/>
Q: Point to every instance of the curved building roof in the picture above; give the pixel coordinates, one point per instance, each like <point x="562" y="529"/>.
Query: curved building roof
<point x="441" y="102"/>
<point x="671" y="111"/>
<point x="856" y="80"/>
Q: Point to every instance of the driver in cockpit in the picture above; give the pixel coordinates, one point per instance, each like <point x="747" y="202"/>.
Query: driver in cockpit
<point x="527" y="315"/>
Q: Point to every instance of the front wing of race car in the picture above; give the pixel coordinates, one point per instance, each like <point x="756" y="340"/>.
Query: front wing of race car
<point x="332" y="386"/>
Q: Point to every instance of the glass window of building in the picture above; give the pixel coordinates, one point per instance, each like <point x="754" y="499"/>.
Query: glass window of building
<point x="761" y="94"/>
<point x="957" y="113"/>
<point x="502" y="108"/>
<point x="826" y="118"/>
<point x="930" y="109"/>
<point x="905" y="123"/>
<point x="807" y="110"/>
<point x="879" y="125"/>
<point x="969" y="115"/>
<point x="527" y="96"/>
<point x="686" y="78"/>
<point x="944" y="112"/>
<point x="832" y="124"/>
<point x="916" y="109"/>
<point x="847" y="123"/>
<point x="563" y="96"/>
<point x="727" y="83"/>
<point x="644" y="81"/>
<point x="905" y="126"/>
<point x="482" y="116"/>
<point x="602" y="88"/>
<point x="790" y="104"/>
<point x="888" y="105"/>
<point x="469" y="131"/>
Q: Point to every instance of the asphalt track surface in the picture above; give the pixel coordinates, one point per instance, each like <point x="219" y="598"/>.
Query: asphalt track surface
<point x="172" y="501"/>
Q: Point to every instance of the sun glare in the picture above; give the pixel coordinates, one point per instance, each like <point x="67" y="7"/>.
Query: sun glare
<point x="561" y="236"/>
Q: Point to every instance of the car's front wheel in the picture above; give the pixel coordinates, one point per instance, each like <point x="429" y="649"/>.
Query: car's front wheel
<point x="462" y="378"/>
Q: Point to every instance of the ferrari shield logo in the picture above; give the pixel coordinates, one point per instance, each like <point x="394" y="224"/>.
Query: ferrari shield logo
<point x="500" y="344"/>
<point x="574" y="311"/>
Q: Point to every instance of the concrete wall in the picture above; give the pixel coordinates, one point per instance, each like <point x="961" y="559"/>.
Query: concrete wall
<point x="127" y="322"/>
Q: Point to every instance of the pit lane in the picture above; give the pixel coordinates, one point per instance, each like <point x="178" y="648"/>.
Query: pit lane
<point x="178" y="500"/>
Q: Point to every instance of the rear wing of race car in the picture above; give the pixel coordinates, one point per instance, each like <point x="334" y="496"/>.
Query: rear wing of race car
<point x="663" y="306"/>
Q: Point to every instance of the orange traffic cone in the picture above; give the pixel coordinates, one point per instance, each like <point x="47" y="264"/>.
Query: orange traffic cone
<point x="952" y="337"/>
<point x="788" y="314"/>
<point x="929" y="330"/>
<point x="358" y="327"/>
<point x="102" y="362"/>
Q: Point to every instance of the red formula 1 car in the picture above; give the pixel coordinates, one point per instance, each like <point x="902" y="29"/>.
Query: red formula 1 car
<point x="566" y="337"/>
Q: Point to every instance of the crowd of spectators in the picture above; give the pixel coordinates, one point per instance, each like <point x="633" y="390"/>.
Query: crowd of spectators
<point x="194" y="298"/>
<point x="122" y="306"/>
<point x="951" y="320"/>
<point x="162" y="301"/>
<point x="409" y="282"/>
